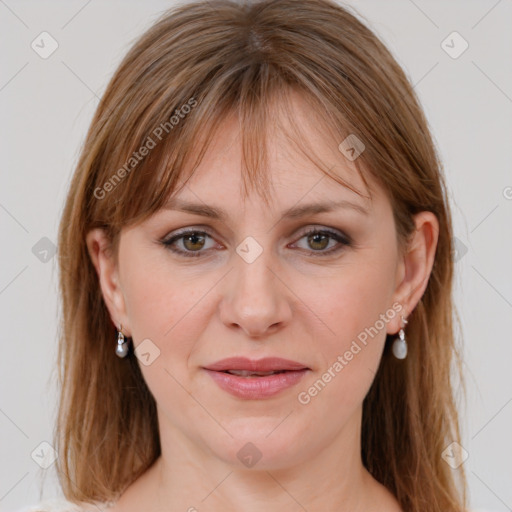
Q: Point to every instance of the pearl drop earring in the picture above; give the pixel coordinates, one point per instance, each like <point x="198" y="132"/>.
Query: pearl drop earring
<point x="400" y="344"/>
<point x="122" y="344"/>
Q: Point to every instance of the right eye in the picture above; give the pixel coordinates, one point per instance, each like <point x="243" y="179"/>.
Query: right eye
<point x="191" y="240"/>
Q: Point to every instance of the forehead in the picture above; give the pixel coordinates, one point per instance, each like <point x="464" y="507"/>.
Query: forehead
<point x="292" y="174"/>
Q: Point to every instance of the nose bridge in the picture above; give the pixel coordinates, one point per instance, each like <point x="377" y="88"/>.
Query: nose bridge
<point x="254" y="280"/>
<point x="256" y="299"/>
<point x="253" y="262"/>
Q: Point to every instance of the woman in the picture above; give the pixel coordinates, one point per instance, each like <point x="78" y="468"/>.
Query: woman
<point x="256" y="276"/>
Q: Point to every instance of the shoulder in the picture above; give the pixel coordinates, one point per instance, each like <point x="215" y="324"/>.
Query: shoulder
<point x="62" y="505"/>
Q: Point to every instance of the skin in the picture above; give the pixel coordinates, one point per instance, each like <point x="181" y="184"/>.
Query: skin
<point x="286" y="303"/>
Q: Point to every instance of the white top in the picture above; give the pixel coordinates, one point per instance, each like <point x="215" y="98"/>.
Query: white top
<point x="55" y="505"/>
<point x="62" y="505"/>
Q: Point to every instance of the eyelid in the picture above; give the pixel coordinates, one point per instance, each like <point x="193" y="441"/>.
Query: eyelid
<point x="305" y="230"/>
<point x="341" y="237"/>
<point x="324" y="229"/>
<point x="188" y="229"/>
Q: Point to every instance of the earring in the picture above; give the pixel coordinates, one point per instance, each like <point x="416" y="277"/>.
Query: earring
<point x="400" y="345"/>
<point x="122" y="344"/>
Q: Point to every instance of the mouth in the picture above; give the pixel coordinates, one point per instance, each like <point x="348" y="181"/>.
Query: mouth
<point x="250" y="379"/>
<point x="247" y="373"/>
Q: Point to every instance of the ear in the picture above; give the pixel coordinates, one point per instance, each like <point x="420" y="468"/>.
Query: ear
<point x="104" y="261"/>
<point x="414" y="268"/>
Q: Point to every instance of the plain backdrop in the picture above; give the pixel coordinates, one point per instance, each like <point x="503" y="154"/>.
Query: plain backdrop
<point x="46" y="106"/>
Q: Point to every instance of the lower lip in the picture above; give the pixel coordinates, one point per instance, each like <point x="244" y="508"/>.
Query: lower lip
<point x="256" y="387"/>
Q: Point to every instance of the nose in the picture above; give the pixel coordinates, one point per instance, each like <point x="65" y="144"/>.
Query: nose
<point x="255" y="298"/>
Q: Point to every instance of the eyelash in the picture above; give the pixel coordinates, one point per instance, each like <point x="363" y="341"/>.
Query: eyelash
<point x="342" y="239"/>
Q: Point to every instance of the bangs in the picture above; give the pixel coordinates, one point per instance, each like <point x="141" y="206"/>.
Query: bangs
<point x="191" y="125"/>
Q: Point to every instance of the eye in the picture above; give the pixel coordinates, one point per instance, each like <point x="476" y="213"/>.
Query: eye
<point x="191" y="240"/>
<point x="319" y="240"/>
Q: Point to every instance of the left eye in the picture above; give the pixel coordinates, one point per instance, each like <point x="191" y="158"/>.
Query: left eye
<point x="193" y="241"/>
<point x="319" y="240"/>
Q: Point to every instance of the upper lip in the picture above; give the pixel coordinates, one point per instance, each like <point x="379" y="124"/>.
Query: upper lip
<point x="267" y="364"/>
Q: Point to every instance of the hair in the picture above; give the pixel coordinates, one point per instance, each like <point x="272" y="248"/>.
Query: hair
<point x="197" y="64"/>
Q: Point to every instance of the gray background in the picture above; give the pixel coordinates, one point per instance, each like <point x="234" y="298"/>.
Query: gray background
<point x="47" y="104"/>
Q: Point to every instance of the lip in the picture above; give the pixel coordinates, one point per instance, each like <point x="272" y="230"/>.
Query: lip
<point x="267" y="364"/>
<point x="256" y="388"/>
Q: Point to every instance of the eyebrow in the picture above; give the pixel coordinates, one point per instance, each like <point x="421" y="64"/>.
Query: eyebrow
<point x="295" y="212"/>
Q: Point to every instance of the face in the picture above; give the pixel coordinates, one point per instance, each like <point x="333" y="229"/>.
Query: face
<point x="322" y="290"/>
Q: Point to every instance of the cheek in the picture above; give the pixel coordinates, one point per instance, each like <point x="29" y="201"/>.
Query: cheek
<point x="150" y="301"/>
<point x="354" y="311"/>
<point x="167" y="309"/>
<point x="156" y="297"/>
<point x="354" y="301"/>
<point x="167" y="306"/>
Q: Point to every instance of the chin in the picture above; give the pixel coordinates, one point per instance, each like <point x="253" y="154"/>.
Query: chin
<point x="258" y="445"/>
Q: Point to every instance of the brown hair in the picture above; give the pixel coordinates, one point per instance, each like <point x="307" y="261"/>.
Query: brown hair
<point x="200" y="62"/>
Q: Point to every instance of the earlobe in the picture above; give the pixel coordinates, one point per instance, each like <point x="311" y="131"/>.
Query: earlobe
<point x="102" y="257"/>
<point x="418" y="261"/>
